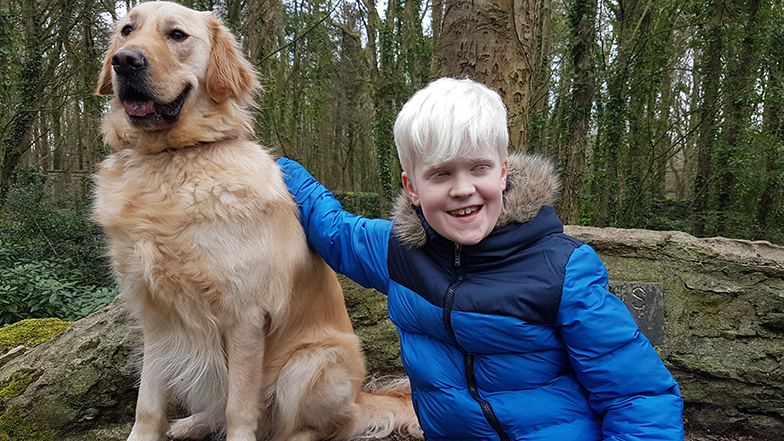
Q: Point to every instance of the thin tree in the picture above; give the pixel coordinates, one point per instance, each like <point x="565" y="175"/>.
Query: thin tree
<point x="15" y="140"/>
<point x="711" y="70"/>
<point x="582" y="19"/>
<point x="738" y="109"/>
<point x="771" y="204"/>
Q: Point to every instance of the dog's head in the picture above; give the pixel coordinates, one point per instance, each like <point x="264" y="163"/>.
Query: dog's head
<point x="178" y="80"/>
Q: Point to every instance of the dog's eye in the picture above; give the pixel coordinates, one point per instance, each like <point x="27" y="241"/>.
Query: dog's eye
<point x="177" y="35"/>
<point x="126" y="30"/>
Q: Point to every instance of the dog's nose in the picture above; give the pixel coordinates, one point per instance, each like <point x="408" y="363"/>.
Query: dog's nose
<point x="129" y="61"/>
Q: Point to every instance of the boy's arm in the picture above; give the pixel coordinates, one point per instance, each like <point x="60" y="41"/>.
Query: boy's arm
<point x="627" y="381"/>
<point x="351" y="245"/>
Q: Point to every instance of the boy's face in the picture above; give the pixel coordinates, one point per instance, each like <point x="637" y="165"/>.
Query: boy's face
<point x="461" y="199"/>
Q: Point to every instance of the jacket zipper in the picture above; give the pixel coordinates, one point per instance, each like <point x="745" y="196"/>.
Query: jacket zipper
<point x="487" y="408"/>
<point x="473" y="390"/>
<point x="450" y="294"/>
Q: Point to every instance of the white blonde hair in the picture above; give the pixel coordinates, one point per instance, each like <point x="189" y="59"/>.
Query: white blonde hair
<point x="450" y="118"/>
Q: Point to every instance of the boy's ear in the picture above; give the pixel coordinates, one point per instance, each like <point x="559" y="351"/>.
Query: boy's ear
<point x="504" y="173"/>
<point x="410" y="188"/>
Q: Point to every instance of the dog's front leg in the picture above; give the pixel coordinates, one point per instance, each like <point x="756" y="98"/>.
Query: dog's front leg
<point x="245" y="349"/>
<point x="150" y="424"/>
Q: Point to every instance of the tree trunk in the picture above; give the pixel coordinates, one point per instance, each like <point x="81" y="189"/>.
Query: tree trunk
<point x="663" y="142"/>
<point x="387" y="86"/>
<point x="582" y="24"/>
<point x="614" y="128"/>
<point x="15" y="142"/>
<point x="711" y="76"/>
<point x="436" y="23"/>
<point x="414" y="50"/>
<point x="773" y="132"/>
<point x="615" y="122"/>
<point x="539" y="137"/>
<point x="690" y="154"/>
<point x="495" y="43"/>
<point x="738" y="109"/>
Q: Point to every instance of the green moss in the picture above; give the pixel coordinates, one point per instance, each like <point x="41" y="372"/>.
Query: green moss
<point x="18" y="382"/>
<point x="31" y="332"/>
<point x="16" y="426"/>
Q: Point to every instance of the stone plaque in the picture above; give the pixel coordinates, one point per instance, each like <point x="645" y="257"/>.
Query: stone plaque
<point x="646" y="303"/>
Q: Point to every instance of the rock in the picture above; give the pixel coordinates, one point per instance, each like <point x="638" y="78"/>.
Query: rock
<point x="724" y="322"/>
<point x="380" y="340"/>
<point x="85" y="382"/>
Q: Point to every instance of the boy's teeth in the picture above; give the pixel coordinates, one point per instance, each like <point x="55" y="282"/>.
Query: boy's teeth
<point x="463" y="211"/>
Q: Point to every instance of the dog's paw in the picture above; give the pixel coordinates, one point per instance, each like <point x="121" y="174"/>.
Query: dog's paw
<point x="193" y="427"/>
<point x="139" y="433"/>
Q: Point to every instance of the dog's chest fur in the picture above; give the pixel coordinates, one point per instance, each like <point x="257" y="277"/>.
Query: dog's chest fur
<point x="189" y="227"/>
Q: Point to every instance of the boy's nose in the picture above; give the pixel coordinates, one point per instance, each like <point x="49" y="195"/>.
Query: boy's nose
<point x="462" y="188"/>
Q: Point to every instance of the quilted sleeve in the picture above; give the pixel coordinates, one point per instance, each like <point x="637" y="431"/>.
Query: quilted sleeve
<point x="627" y="382"/>
<point x="352" y="245"/>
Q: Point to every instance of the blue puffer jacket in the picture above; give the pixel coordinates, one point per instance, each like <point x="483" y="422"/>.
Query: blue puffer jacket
<point x="515" y="338"/>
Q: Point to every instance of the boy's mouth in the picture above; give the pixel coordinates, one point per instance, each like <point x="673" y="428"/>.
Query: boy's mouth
<point x="465" y="211"/>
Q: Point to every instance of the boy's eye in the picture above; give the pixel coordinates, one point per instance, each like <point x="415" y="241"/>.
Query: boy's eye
<point x="438" y="175"/>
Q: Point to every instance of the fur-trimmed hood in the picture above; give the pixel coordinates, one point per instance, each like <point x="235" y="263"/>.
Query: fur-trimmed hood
<point x="532" y="183"/>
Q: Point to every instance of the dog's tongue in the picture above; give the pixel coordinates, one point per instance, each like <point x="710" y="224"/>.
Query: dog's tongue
<point x="138" y="108"/>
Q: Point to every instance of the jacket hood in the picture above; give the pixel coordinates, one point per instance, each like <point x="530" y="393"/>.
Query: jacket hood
<point x="532" y="183"/>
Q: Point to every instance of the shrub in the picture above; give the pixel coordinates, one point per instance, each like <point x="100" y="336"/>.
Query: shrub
<point x="51" y="261"/>
<point x="48" y="289"/>
<point x="360" y="203"/>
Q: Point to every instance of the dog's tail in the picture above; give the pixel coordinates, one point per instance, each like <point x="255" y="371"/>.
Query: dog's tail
<point x="387" y="408"/>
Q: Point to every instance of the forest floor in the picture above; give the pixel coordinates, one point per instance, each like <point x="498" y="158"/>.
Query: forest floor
<point x="717" y="438"/>
<point x="688" y="438"/>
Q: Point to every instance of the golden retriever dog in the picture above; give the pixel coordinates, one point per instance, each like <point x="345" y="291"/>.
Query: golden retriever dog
<point x="243" y="324"/>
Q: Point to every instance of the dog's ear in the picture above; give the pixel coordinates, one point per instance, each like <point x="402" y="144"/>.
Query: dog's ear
<point x="105" y="78"/>
<point x="229" y="74"/>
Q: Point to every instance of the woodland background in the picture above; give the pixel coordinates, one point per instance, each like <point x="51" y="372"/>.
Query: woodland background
<point x="661" y="114"/>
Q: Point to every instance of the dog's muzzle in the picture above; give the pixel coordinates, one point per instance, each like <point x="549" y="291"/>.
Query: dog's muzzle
<point x="133" y="72"/>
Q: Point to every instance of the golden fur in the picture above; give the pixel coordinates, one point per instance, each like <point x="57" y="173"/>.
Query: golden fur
<point x="243" y="323"/>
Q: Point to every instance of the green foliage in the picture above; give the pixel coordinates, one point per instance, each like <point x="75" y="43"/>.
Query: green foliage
<point x="51" y="262"/>
<point x="666" y="215"/>
<point x="335" y="77"/>
<point x="360" y="203"/>
<point x="46" y="289"/>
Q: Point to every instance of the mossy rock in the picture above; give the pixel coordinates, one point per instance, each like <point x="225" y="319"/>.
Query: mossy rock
<point x="379" y="337"/>
<point x="16" y="426"/>
<point x="30" y="332"/>
<point x="76" y="384"/>
<point x="17" y="384"/>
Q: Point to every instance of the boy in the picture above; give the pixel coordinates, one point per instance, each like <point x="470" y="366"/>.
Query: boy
<point x="507" y="331"/>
